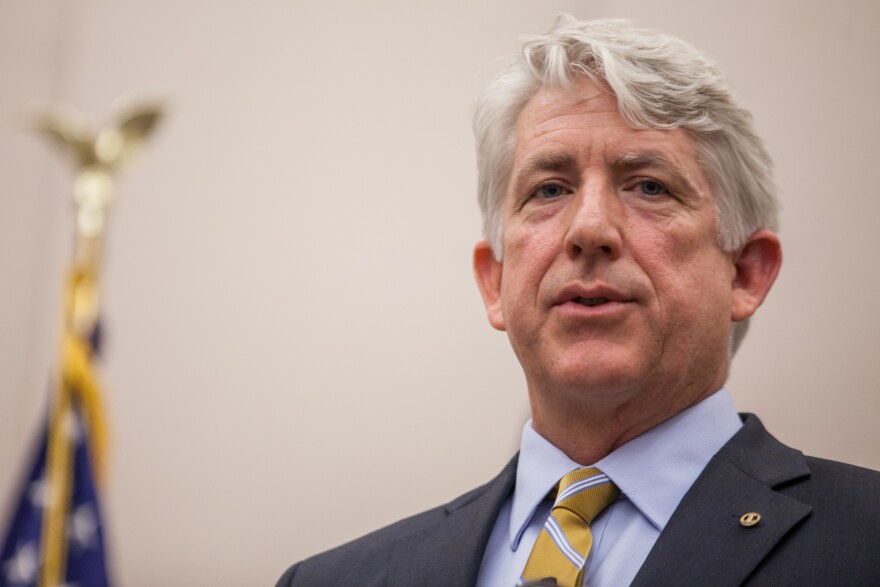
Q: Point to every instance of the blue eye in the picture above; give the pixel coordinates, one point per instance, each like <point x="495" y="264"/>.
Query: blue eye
<point x="652" y="188"/>
<point x="550" y="191"/>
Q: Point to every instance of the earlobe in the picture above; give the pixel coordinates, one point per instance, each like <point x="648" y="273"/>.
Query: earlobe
<point x="757" y="264"/>
<point x="487" y="271"/>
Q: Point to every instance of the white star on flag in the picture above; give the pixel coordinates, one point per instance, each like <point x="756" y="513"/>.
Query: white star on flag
<point x="21" y="569"/>
<point x="83" y="526"/>
<point x="38" y="493"/>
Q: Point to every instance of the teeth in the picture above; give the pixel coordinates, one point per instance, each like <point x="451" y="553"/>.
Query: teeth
<point x="591" y="301"/>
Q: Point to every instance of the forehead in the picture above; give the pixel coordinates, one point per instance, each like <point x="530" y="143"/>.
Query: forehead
<point x="584" y="123"/>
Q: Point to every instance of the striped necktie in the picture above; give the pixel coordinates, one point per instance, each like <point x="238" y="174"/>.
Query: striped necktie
<point x="562" y="547"/>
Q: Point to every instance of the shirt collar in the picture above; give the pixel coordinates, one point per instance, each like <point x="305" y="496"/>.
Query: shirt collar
<point x="653" y="470"/>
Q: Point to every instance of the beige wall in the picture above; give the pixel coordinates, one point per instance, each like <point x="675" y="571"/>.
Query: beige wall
<point x="289" y="303"/>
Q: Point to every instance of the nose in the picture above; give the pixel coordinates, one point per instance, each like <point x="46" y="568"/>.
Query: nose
<point x="594" y="223"/>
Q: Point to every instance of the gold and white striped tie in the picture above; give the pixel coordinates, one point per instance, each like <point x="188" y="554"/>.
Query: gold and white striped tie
<point x="562" y="547"/>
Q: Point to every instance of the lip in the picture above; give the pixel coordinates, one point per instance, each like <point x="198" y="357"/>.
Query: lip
<point x="569" y="300"/>
<point x="573" y="292"/>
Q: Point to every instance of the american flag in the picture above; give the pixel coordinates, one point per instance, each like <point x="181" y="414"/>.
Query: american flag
<point x="55" y="538"/>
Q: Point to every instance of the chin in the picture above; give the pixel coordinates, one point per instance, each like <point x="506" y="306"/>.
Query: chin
<point x="605" y="378"/>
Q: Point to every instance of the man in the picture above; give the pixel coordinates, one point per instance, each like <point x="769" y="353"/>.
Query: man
<point x="628" y="217"/>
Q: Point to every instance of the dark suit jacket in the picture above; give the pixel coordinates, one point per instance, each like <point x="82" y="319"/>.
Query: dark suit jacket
<point x="820" y="525"/>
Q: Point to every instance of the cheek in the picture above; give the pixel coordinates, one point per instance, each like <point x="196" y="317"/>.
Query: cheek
<point x="687" y="270"/>
<point x="528" y="254"/>
<point x="663" y="257"/>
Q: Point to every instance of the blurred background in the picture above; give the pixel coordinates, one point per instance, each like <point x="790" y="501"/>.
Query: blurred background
<point x="288" y="300"/>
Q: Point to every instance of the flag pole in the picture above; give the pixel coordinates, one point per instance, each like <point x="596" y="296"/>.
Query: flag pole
<point x="76" y="406"/>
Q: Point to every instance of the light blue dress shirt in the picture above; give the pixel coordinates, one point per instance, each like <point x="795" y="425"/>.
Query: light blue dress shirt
<point x="653" y="472"/>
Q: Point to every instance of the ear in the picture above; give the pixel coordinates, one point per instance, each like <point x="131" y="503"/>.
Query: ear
<point x="487" y="271"/>
<point x="757" y="264"/>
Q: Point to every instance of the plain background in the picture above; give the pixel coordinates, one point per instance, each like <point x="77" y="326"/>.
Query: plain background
<point x="296" y="350"/>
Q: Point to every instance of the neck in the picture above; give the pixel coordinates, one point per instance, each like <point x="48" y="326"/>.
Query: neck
<point x="587" y="431"/>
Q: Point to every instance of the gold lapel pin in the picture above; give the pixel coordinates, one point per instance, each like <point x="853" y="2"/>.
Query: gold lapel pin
<point x="750" y="519"/>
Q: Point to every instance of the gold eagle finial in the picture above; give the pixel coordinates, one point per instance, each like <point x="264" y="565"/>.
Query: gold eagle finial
<point x="98" y="155"/>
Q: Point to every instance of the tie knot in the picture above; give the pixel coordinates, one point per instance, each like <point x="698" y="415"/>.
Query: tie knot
<point x="586" y="492"/>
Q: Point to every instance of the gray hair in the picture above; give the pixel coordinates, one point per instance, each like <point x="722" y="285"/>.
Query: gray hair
<point x="660" y="82"/>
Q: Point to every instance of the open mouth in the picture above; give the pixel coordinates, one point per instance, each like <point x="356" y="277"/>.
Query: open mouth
<point x="590" y="302"/>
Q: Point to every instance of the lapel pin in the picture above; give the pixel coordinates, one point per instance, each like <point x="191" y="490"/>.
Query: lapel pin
<point x="750" y="519"/>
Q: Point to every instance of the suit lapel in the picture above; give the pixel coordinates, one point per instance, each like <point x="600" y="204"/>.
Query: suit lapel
<point x="704" y="542"/>
<point x="451" y="552"/>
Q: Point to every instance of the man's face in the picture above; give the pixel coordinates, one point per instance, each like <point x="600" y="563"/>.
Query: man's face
<point x="612" y="288"/>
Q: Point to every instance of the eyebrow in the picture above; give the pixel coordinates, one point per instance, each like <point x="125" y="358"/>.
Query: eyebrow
<point x="547" y="162"/>
<point x="631" y="160"/>
<point x="636" y="161"/>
